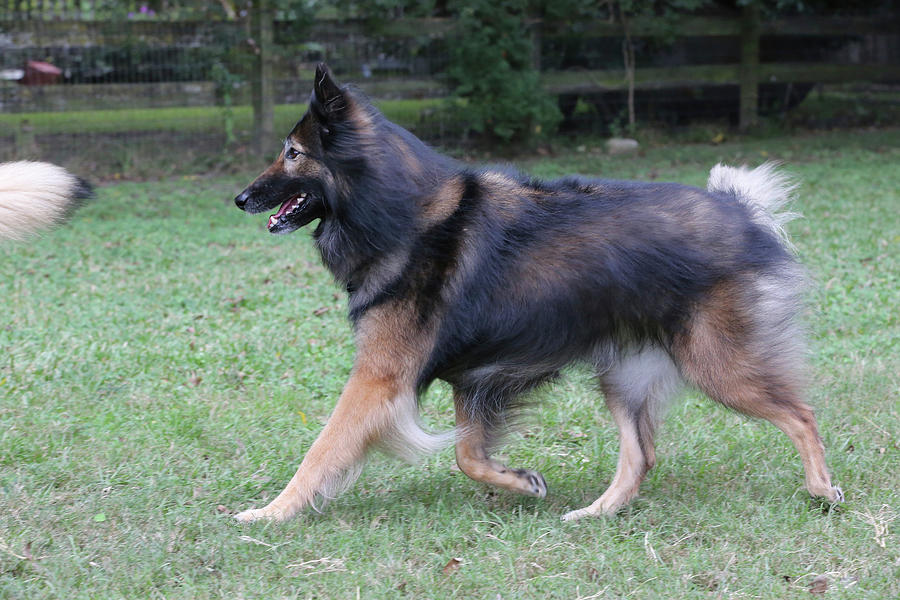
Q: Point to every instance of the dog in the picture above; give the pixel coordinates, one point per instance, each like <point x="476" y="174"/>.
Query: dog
<point x="494" y="281"/>
<point x="37" y="195"/>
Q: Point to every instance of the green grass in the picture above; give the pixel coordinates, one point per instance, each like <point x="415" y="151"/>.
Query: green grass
<point x="165" y="362"/>
<point x="834" y="106"/>
<point x="182" y="119"/>
<point x="160" y="143"/>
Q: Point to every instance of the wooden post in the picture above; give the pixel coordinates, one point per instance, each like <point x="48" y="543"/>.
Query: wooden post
<point x="536" y="42"/>
<point x="749" y="71"/>
<point x="24" y="142"/>
<point x="261" y="84"/>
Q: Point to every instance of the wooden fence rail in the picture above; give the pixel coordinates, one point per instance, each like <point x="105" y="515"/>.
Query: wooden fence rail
<point x="355" y="46"/>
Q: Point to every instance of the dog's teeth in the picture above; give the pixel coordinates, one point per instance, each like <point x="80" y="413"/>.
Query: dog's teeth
<point x="273" y="220"/>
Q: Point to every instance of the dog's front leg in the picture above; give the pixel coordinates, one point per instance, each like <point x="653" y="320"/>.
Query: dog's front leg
<point x="366" y="408"/>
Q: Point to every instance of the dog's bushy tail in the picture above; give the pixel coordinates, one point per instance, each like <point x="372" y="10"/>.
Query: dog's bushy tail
<point x="37" y="195"/>
<point x="764" y="190"/>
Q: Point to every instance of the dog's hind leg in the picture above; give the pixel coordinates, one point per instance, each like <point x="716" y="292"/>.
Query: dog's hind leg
<point x="474" y="439"/>
<point x="753" y="364"/>
<point x="636" y="389"/>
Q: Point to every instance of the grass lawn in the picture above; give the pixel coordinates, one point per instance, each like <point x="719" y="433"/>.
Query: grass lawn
<point x="182" y="119"/>
<point x="164" y="362"/>
<point x="142" y="143"/>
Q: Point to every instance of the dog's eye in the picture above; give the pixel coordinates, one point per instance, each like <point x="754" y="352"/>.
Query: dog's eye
<point x="291" y="154"/>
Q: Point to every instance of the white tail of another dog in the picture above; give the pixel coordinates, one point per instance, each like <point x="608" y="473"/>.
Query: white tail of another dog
<point x="35" y="196"/>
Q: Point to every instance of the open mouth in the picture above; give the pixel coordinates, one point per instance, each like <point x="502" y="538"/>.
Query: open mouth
<point x="289" y="207"/>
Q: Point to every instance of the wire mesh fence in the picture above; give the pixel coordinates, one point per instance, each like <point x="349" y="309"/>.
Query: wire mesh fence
<point x="104" y="88"/>
<point x="120" y="93"/>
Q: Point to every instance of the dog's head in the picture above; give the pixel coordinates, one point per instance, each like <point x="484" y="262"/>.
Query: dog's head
<point x="299" y="182"/>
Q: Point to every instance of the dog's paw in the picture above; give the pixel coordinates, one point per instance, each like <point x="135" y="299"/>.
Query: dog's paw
<point x="603" y="507"/>
<point x="256" y="514"/>
<point x="830" y="494"/>
<point x="836" y="496"/>
<point x="581" y="513"/>
<point x="535" y="484"/>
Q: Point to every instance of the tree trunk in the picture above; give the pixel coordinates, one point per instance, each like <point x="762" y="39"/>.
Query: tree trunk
<point x="628" y="61"/>
<point x="749" y="71"/>
<point x="261" y="84"/>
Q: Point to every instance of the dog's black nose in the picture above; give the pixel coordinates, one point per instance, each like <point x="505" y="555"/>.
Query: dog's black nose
<point x="241" y="199"/>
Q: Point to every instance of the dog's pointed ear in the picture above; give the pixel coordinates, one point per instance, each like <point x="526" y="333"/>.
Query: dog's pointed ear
<point x="328" y="92"/>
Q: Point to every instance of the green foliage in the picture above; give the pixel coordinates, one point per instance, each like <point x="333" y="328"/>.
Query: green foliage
<point x="296" y="10"/>
<point x="157" y="9"/>
<point x="497" y="91"/>
<point x="382" y="10"/>
<point x="226" y="82"/>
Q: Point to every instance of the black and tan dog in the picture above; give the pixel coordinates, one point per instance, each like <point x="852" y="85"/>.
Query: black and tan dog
<point x="494" y="281"/>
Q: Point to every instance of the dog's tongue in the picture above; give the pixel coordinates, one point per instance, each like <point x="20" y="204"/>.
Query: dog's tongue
<point x="284" y="208"/>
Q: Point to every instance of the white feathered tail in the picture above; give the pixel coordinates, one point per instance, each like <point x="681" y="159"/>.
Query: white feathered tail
<point x="36" y="195"/>
<point x="764" y="190"/>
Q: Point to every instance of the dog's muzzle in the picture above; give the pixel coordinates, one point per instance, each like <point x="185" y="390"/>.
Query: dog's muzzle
<point x="241" y="199"/>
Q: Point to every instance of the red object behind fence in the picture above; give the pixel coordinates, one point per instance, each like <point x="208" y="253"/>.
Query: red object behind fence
<point x="40" y="73"/>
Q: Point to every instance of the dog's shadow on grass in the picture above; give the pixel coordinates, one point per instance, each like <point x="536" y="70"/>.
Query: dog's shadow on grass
<point x="389" y="495"/>
<point x="453" y="493"/>
<point x="431" y="493"/>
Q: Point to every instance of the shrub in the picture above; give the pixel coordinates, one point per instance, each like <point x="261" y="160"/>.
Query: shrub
<point x="496" y="90"/>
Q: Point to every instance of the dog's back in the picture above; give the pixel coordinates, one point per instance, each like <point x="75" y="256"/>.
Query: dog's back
<point x="549" y="270"/>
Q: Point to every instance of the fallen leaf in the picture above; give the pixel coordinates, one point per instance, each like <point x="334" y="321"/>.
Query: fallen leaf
<point x="452" y="566"/>
<point x="99" y="517"/>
